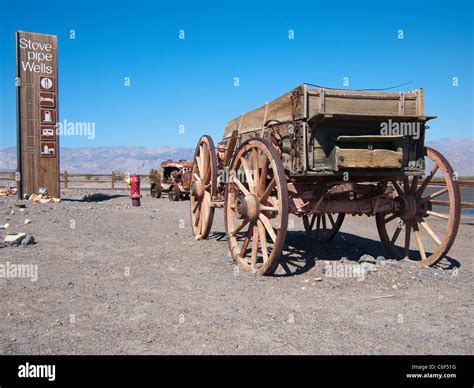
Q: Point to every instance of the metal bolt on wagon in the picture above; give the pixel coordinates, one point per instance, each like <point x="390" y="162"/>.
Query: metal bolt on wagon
<point x="320" y="154"/>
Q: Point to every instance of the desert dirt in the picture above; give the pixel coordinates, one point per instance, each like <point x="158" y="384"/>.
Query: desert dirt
<point x="117" y="279"/>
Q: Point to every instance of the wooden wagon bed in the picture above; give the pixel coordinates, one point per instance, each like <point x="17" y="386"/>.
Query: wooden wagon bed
<point x="325" y="131"/>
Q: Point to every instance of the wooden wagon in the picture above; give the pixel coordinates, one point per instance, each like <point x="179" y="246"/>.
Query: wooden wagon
<point x="321" y="154"/>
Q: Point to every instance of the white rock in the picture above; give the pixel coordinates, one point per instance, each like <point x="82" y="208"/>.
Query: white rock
<point x="367" y="259"/>
<point x="14" y="239"/>
<point x="368" y="267"/>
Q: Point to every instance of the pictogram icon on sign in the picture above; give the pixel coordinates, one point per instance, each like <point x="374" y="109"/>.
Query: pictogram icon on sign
<point x="48" y="133"/>
<point x="47" y="100"/>
<point x="47" y="116"/>
<point x="48" y="149"/>
<point x="47" y="84"/>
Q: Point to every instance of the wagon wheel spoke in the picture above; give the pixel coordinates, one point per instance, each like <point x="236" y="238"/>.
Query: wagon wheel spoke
<point x="268" y="226"/>
<point x="240" y="186"/>
<point x="205" y="162"/>
<point x="439" y="215"/>
<point x="207" y="198"/>
<point x="263" y="177"/>
<point x="326" y="230"/>
<point x="255" y="170"/>
<point x="198" y="222"/>
<point x="245" y="244"/>
<point x="263" y="240"/>
<point x="200" y="166"/>
<point x="331" y="219"/>
<point x="198" y="214"/>
<point x="248" y="175"/>
<point x="407" y="238"/>
<point x="430" y="231"/>
<point x="426" y="181"/>
<point x="396" y="234"/>
<point x="207" y="177"/>
<point x="269" y="208"/>
<point x="196" y="206"/>
<point x="200" y="159"/>
<point x="255" y="239"/>
<point x="268" y="190"/>
<point x="397" y="187"/>
<point x="318" y="224"/>
<point x="406" y="184"/>
<point x="414" y="184"/>
<point x="324" y="224"/>
<point x="419" y="241"/>
<point x="240" y="227"/>
<point x="434" y="195"/>
<point x="390" y="218"/>
<point x="204" y="212"/>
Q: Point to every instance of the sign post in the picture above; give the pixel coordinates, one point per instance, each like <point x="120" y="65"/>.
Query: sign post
<point x="37" y="111"/>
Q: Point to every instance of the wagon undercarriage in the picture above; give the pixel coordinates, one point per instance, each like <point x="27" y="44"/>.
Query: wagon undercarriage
<point x="260" y="176"/>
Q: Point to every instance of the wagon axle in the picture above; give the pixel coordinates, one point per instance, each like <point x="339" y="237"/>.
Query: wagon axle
<point x="368" y="206"/>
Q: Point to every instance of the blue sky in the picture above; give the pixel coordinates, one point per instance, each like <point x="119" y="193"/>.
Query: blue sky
<point x="190" y="82"/>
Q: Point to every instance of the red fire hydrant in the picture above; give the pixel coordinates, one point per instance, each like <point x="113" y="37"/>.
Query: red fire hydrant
<point x="134" y="182"/>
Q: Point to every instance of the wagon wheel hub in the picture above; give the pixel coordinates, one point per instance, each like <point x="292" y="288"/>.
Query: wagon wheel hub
<point x="246" y="207"/>
<point x="408" y="207"/>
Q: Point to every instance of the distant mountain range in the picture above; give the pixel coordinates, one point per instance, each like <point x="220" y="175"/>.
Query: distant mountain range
<point x="107" y="159"/>
<point x="459" y="152"/>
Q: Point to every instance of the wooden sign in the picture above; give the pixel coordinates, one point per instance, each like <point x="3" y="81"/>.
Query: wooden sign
<point x="37" y="110"/>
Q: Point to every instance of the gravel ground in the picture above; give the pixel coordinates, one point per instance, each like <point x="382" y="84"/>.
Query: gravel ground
<point x="113" y="279"/>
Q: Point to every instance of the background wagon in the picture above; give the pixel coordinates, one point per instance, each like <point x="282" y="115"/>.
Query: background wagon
<point x="174" y="178"/>
<point x="321" y="154"/>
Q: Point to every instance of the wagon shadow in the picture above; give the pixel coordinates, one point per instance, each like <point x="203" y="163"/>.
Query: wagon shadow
<point x="218" y="236"/>
<point x="302" y="252"/>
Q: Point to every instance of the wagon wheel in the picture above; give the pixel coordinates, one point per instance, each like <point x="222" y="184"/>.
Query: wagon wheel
<point x="155" y="190"/>
<point x="174" y="194"/>
<point x="203" y="187"/>
<point x="256" y="207"/>
<point x="325" y="229"/>
<point x="433" y="239"/>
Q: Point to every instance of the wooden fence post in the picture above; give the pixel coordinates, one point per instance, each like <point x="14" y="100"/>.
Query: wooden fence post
<point x="113" y="180"/>
<point x="66" y="183"/>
